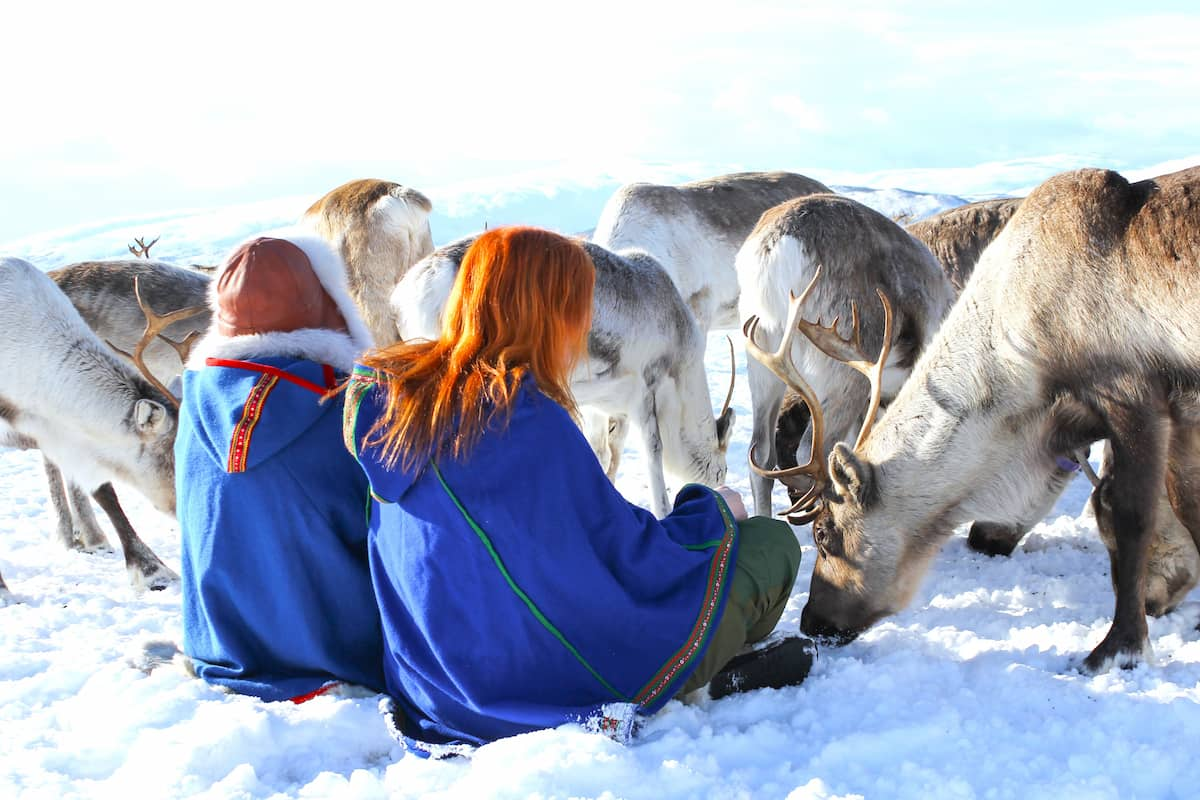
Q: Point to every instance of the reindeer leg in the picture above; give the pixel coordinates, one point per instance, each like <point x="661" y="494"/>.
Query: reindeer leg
<point x="766" y="395"/>
<point x="1124" y="503"/>
<point x="652" y="445"/>
<point x="64" y="526"/>
<point x="87" y="529"/>
<point x="1182" y="485"/>
<point x="146" y="570"/>
<point x="6" y="596"/>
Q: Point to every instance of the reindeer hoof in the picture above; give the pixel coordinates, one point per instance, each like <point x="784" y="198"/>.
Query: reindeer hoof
<point x="7" y="598"/>
<point x="1117" y="651"/>
<point x="994" y="540"/>
<point x="159" y="577"/>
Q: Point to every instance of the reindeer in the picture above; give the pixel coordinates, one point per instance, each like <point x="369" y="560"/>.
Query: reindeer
<point x="645" y="359"/>
<point x="859" y="249"/>
<point x="958" y="238"/>
<point x="94" y="416"/>
<point x="143" y="250"/>
<point x="381" y="229"/>
<point x="1080" y="323"/>
<point x="694" y="230"/>
<point x="104" y="294"/>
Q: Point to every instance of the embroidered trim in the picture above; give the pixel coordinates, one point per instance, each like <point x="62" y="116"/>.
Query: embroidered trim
<point x="708" y="610"/>
<point x="537" y="612"/>
<point x="239" y="447"/>
<point x="268" y="370"/>
<point x="360" y="382"/>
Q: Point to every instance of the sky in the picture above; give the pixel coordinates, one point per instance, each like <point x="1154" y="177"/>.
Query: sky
<point x="130" y="107"/>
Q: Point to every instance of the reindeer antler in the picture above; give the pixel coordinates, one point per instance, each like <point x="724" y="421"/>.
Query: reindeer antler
<point x="155" y="325"/>
<point x="732" y="378"/>
<point x="848" y="351"/>
<point x="142" y="250"/>
<point x="781" y="364"/>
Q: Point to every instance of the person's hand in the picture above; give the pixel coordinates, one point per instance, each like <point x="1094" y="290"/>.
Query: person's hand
<point x="734" y="501"/>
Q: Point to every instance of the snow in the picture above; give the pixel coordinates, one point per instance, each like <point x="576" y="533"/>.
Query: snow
<point x="973" y="691"/>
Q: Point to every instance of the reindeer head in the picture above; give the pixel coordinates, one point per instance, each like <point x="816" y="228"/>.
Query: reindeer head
<point x="154" y="414"/>
<point x="853" y="561"/>
<point x="694" y="439"/>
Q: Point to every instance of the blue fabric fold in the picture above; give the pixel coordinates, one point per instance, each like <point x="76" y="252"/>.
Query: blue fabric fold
<point x="519" y="590"/>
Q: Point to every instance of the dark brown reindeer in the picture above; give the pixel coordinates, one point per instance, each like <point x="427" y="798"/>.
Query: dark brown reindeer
<point x="958" y="236"/>
<point x="1081" y="323"/>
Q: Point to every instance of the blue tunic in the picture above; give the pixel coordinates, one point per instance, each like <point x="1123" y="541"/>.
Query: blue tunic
<point x="519" y="590"/>
<point x="277" y="597"/>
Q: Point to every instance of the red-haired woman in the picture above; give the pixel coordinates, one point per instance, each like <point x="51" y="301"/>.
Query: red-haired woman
<point x="518" y="589"/>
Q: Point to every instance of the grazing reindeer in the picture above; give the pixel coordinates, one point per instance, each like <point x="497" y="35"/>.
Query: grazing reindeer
<point x="143" y="250"/>
<point x="381" y="229"/>
<point x="958" y="236"/>
<point x="694" y="231"/>
<point x="66" y="393"/>
<point x="645" y="359"/>
<point x="103" y="292"/>
<point x="1080" y="323"/>
<point x="859" y="249"/>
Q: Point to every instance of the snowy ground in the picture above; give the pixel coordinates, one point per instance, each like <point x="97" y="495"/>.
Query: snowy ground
<point x="974" y="691"/>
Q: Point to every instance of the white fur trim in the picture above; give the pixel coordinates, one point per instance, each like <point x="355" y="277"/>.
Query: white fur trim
<point x="334" y="348"/>
<point x="330" y="271"/>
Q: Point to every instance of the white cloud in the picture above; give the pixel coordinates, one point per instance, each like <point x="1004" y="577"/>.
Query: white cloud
<point x="799" y="113"/>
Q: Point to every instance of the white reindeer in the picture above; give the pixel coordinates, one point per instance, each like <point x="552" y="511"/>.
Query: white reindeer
<point x="1080" y="323"/>
<point x="381" y="229"/>
<point x="65" y="392"/>
<point x="645" y="359"/>
<point x="694" y="230"/>
<point x="858" y="250"/>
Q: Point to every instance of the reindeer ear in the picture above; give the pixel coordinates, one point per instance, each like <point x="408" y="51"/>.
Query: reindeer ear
<point x="149" y="417"/>
<point x="725" y="428"/>
<point x="852" y="477"/>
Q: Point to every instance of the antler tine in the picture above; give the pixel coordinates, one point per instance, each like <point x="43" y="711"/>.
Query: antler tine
<point x="780" y="362"/>
<point x="732" y="377"/>
<point x="849" y="352"/>
<point x="155" y="324"/>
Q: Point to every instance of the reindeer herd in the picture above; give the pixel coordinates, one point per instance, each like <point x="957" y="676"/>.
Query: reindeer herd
<point x="974" y="357"/>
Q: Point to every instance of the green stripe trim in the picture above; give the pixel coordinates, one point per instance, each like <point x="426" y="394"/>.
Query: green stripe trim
<point x="704" y="545"/>
<point x="537" y="613"/>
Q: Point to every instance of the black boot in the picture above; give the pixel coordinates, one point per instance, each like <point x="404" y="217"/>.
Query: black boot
<point x="784" y="663"/>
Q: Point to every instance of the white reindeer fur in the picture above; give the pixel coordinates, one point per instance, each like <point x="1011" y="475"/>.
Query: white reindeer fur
<point x="778" y="260"/>
<point x="694" y="231"/>
<point x="83" y="406"/>
<point x="336" y="348"/>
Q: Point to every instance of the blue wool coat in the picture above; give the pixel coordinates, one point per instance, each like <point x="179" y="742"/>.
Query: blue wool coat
<point x="519" y="590"/>
<point x="277" y="597"/>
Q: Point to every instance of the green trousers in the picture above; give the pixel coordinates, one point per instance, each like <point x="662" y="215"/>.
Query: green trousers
<point x="767" y="562"/>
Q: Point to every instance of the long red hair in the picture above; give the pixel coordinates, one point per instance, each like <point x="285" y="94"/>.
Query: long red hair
<point x="521" y="305"/>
